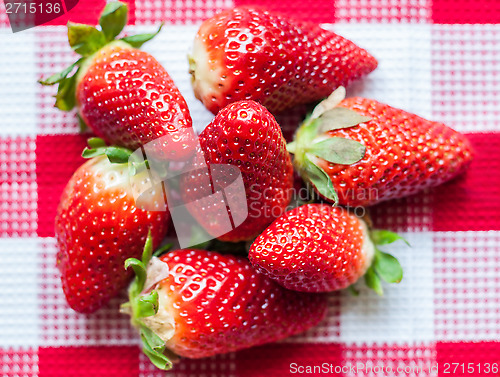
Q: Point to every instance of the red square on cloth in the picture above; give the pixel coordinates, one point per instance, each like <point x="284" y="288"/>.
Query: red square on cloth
<point x="17" y="186"/>
<point x="308" y="10"/>
<point x="382" y="12"/>
<point x="465" y="11"/>
<point x="472" y="201"/>
<point x="87" y="12"/>
<point x="222" y="365"/>
<point x="468" y="358"/>
<point x="175" y="12"/>
<point x="57" y="158"/>
<point x="114" y="361"/>
<point x="285" y="359"/>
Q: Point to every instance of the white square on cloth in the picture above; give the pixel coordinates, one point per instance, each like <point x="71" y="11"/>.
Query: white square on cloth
<point x="17" y="83"/>
<point x="405" y="313"/>
<point x="19" y="316"/>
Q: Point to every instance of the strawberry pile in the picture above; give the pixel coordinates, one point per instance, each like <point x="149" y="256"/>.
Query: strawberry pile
<point x="270" y="278"/>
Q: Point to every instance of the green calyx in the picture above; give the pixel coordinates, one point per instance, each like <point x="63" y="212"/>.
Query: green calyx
<point x="86" y="40"/>
<point x="144" y="302"/>
<point x="116" y="155"/>
<point x="312" y="144"/>
<point x="97" y="147"/>
<point x="384" y="266"/>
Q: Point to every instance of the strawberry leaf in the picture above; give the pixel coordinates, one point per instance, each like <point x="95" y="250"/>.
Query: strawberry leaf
<point x="147" y="252"/>
<point x="65" y="97"/>
<point x="139" y="267"/>
<point x="320" y="180"/>
<point x="139" y="39"/>
<point x="113" y="19"/>
<point x="96" y="142"/>
<point x="147" y="305"/>
<point x="140" y="275"/>
<point x="340" y="117"/>
<point x="291" y="147"/>
<point x="158" y="359"/>
<point x="58" y="77"/>
<point x="329" y="103"/>
<point x="373" y="281"/>
<point x="338" y="150"/>
<point x="307" y="132"/>
<point x="387" y="267"/>
<point x="85" y="39"/>
<point x="153" y="340"/>
<point x="153" y="347"/>
<point x="91" y="152"/>
<point x="116" y="155"/>
<point x="384" y="237"/>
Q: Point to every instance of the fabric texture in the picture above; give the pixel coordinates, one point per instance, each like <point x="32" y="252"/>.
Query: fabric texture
<point x="438" y="58"/>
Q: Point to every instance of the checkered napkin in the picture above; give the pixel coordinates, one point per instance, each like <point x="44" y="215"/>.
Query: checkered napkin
<point x="439" y="59"/>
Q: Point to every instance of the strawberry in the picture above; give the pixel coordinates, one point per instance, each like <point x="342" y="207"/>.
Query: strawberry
<point x="122" y="93"/>
<point x="197" y="303"/>
<point x="249" y="53"/>
<point x="97" y="227"/>
<point x="321" y="248"/>
<point x="359" y="152"/>
<point x="246" y="135"/>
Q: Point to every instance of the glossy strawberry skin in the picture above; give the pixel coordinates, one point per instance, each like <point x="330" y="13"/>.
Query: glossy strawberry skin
<point x="404" y="155"/>
<point x="126" y="97"/>
<point x="220" y="304"/>
<point x="246" y="135"/>
<point x="249" y="53"/>
<point x="313" y="248"/>
<point x="97" y="228"/>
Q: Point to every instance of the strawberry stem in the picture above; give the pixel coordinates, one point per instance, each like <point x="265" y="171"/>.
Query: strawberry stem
<point x="86" y="40"/>
<point x="143" y="304"/>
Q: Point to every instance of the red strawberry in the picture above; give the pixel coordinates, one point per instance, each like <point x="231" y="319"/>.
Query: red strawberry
<point x="197" y="303"/>
<point x="249" y="53"/>
<point x="98" y="227"/>
<point x="123" y="94"/>
<point x="246" y="135"/>
<point x="320" y="248"/>
<point x="370" y="152"/>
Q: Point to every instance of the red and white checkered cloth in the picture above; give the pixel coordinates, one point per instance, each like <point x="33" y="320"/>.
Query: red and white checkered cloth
<point x="438" y="58"/>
